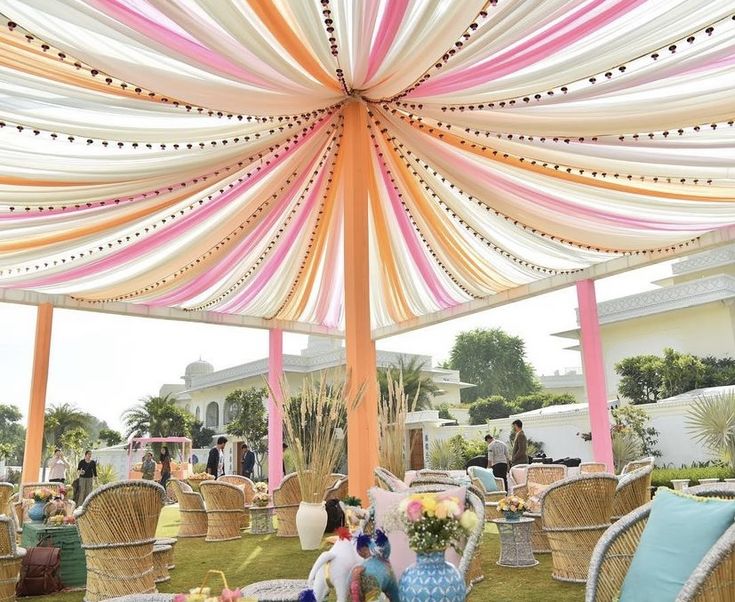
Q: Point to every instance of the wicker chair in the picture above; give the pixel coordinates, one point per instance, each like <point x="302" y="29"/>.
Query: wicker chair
<point x="541" y="474"/>
<point x="117" y="526"/>
<point x="636" y="464"/>
<point x="191" y="509"/>
<point x="469" y="565"/>
<point x="225" y="505"/>
<point x="712" y="581"/>
<point x="10" y="559"/>
<point x="286" y="500"/>
<point x="338" y="491"/>
<point x="575" y="513"/>
<point x="633" y="491"/>
<point x="385" y="479"/>
<point x="592" y="467"/>
<point x="517" y="476"/>
<point x="248" y="489"/>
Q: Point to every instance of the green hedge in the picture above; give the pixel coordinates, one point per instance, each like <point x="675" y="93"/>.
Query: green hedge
<point x="663" y="476"/>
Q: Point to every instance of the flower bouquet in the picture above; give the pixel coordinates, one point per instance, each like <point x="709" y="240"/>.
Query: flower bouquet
<point x="42" y="494"/>
<point x="512" y="507"/>
<point x="261" y="498"/>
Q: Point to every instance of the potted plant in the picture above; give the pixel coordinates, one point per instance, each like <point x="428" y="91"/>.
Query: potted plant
<point x="433" y="522"/>
<point x="512" y="507"/>
<point x="311" y="421"/>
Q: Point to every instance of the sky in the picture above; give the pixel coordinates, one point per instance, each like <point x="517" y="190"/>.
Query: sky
<point x="104" y="364"/>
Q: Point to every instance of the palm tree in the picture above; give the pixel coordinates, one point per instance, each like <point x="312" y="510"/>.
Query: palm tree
<point x="415" y="386"/>
<point x="62" y="418"/>
<point x="157" y="416"/>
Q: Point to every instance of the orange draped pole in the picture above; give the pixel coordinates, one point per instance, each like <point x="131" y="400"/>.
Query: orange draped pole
<point x="37" y="403"/>
<point x="362" y="420"/>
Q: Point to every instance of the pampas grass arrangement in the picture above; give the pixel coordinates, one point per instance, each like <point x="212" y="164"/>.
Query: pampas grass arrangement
<point x="311" y="421"/>
<point x="392" y="411"/>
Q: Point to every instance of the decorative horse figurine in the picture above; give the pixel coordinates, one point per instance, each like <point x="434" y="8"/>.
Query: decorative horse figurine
<point x="333" y="569"/>
<point x="374" y="579"/>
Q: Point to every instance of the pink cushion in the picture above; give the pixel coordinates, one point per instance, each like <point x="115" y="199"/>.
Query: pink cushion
<point x="384" y="504"/>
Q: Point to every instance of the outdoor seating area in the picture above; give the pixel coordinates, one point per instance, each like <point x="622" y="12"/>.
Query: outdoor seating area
<point x="505" y="230"/>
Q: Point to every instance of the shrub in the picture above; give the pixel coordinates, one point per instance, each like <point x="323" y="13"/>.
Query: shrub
<point x="490" y="408"/>
<point x="662" y="476"/>
<point x="444" y="412"/>
<point x="199" y="468"/>
<point x="633" y="420"/>
<point x="626" y="447"/>
<point x="468" y="448"/>
<point x="445" y="455"/>
<point x="106" y="474"/>
<point x="711" y="421"/>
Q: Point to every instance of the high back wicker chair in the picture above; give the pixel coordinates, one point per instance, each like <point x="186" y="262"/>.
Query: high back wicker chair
<point x="286" y="500"/>
<point x="469" y="565"/>
<point x="385" y="479"/>
<point x="10" y="559"/>
<point x="575" y="513"/>
<point x="592" y="467"/>
<point x="632" y="492"/>
<point x="490" y="496"/>
<point x="636" y="464"/>
<point x="540" y="474"/>
<point x="225" y="505"/>
<point x="191" y="509"/>
<point x="712" y="581"/>
<point x="338" y="491"/>
<point x="248" y="489"/>
<point x="117" y="526"/>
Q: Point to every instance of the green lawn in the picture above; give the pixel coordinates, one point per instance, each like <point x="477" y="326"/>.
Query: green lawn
<point x="255" y="558"/>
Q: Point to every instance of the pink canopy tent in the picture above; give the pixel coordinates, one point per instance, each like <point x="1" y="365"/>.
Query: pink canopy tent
<point x="185" y="442"/>
<point x="355" y="167"/>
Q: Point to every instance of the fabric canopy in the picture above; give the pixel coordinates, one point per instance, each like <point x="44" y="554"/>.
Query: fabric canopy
<point x="188" y="153"/>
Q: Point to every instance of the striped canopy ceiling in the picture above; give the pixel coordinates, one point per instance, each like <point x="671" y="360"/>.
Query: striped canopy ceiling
<point x="189" y="153"/>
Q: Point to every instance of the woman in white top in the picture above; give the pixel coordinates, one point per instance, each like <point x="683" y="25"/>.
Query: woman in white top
<point x="57" y="468"/>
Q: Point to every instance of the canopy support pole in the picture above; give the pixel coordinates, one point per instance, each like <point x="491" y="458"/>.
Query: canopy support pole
<point x="37" y="402"/>
<point x="594" y="373"/>
<point x="362" y="419"/>
<point x="275" y="400"/>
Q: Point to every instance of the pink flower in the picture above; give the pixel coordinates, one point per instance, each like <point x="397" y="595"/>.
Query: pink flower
<point x="414" y="510"/>
<point x="180" y="598"/>
<point x="230" y="595"/>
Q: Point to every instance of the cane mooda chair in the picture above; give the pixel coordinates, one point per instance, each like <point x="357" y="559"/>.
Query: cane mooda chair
<point x="117" y="526"/>
<point x="286" y="500"/>
<point x="712" y="581"/>
<point x="248" y="489"/>
<point x="385" y="479"/>
<point x="10" y="559"/>
<point x="225" y="505"/>
<point x="633" y="491"/>
<point x="191" y="509"/>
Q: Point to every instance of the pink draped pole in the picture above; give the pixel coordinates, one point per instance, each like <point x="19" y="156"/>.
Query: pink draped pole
<point x="275" y="419"/>
<point x="594" y="373"/>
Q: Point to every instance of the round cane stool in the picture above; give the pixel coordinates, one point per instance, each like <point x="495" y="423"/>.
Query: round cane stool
<point x="168" y="541"/>
<point x="161" y="554"/>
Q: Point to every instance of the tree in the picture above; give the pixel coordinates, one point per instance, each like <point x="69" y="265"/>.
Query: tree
<point x="495" y="362"/>
<point x="157" y="417"/>
<point x="718" y="372"/>
<point x="12" y="433"/>
<point x="681" y="372"/>
<point x="444" y="412"/>
<point x="488" y="409"/>
<point x="415" y="385"/>
<point x="110" y="437"/>
<point x="633" y="420"/>
<point x="250" y="420"/>
<point x="201" y="436"/>
<point x="640" y="380"/>
<point x="60" y="419"/>
<point x="535" y="401"/>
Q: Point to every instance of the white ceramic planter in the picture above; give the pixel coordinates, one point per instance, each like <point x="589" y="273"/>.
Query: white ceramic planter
<point x="311" y="520"/>
<point x="708" y="481"/>
<point x="680" y="484"/>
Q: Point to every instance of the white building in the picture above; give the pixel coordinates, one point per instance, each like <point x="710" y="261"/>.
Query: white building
<point x="693" y="311"/>
<point x="205" y="389"/>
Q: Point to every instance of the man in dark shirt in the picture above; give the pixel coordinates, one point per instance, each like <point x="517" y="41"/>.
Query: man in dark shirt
<point x="248" y="461"/>
<point x="216" y="459"/>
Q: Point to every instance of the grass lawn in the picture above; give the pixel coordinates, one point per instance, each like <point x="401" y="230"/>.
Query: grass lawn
<point x="256" y="558"/>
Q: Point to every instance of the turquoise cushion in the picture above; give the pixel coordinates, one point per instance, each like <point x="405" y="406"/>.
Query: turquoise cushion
<point x="487" y="478"/>
<point x="681" y="529"/>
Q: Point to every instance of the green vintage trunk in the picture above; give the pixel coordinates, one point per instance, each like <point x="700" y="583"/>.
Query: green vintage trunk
<point x="73" y="564"/>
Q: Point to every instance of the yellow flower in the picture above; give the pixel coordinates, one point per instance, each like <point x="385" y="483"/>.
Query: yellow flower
<point x="442" y="509"/>
<point x="430" y="504"/>
<point x="468" y="520"/>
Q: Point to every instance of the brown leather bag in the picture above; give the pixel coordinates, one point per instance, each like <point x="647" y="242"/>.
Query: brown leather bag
<point x="39" y="571"/>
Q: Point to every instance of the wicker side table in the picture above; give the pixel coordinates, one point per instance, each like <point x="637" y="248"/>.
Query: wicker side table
<point x="515" y="543"/>
<point x="261" y="520"/>
<point x="161" y="555"/>
<point x="277" y="590"/>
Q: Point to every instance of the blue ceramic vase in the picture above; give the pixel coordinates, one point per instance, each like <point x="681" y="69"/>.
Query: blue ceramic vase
<point x="512" y="516"/>
<point x="36" y="512"/>
<point x="432" y="579"/>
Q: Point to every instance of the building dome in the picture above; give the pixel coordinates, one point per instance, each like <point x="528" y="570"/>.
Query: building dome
<point x="198" y="368"/>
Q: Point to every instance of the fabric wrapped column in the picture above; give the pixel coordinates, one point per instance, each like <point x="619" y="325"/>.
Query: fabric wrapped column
<point x="275" y="415"/>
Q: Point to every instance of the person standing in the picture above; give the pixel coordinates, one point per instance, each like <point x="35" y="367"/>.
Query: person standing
<point x="520" y="445"/>
<point x="148" y="467"/>
<point x="58" y="467"/>
<point x="498" y="458"/>
<point x="165" y="466"/>
<point x="87" y="469"/>
<point x="248" y="461"/>
<point x="216" y="459"/>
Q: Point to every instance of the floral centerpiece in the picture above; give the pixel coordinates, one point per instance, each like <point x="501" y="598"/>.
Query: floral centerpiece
<point x="197" y="478"/>
<point x="42" y="495"/>
<point x="261" y="498"/>
<point x="433" y="523"/>
<point x="512" y="507"/>
<point x="204" y="593"/>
